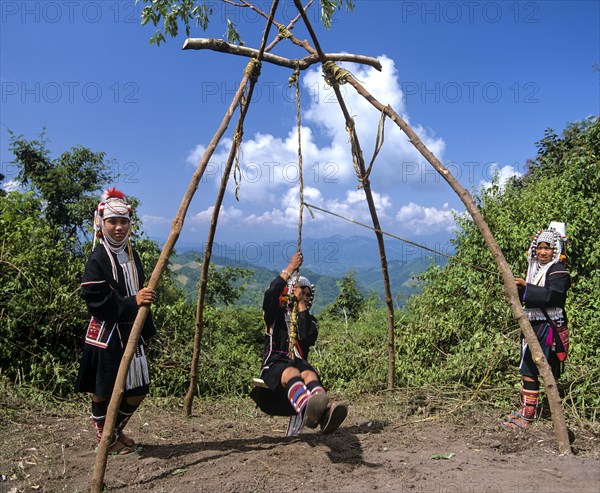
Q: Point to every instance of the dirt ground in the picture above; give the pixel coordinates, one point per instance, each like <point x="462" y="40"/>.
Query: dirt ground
<point x="231" y="447"/>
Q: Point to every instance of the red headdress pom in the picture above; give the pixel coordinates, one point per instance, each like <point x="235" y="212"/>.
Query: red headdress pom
<point x="113" y="192"/>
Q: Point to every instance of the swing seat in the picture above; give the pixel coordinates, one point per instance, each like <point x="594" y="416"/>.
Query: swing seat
<point x="273" y="405"/>
<point x="259" y="382"/>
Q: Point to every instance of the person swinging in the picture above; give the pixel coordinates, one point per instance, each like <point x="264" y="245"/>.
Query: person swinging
<point x="293" y="387"/>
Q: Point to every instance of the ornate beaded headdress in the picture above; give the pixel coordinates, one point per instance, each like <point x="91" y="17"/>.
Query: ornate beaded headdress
<point x="555" y="237"/>
<point x="302" y="282"/>
<point x="113" y="204"/>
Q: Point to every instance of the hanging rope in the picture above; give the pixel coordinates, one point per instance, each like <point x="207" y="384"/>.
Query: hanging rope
<point x="378" y="143"/>
<point x="300" y="172"/>
<point x="293" y="329"/>
<point x="452" y="257"/>
<point x="252" y="70"/>
<point x="237" y="172"/>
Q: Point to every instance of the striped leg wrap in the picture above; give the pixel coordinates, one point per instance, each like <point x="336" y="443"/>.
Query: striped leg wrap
<point x="315" y="387"/>
<point x="125" y="413"/>
<point x="529" y="402"/>
<point x="98" y="418"/>
<point x="297" y="394"/>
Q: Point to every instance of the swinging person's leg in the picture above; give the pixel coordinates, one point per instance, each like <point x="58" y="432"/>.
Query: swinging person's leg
<point x="312" y="382"/>
<point x="312" y="406"/>
<point x="319" y="400"/>
<point x="334" y="413"/>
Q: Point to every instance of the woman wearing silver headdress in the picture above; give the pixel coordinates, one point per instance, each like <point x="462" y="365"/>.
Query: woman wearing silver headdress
<point x="543" y="293"/>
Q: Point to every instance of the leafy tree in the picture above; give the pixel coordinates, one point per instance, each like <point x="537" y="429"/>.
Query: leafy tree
<point x="43" y="255"/>
<point x="350" y="302"/>
<point x="187" y="12"/>
<point x="40" y="309"/>
<point x="43" y="227"/>
<point x="226" y="285"/>
<point x="328" y="8"/>
<point x="68" y="185"/>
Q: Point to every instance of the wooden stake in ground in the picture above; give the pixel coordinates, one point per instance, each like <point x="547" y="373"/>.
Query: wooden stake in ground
<point x="237" y="141"/>
<point x="251" y="74"/>
<point x="510" y="290"/>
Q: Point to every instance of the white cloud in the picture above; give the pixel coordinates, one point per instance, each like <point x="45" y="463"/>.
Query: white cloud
<point x="352" y="206"/>
<point x="194" y="156"/>
<point x="11" y="186"/>
<point x="395" y="162"/>
<point x="268" y="163"/>
<point x="149" y="220"/>
<point x="502" y="174"/>
<point x="268" y="189"/>
<point x="225" y="215"/>
<point x="425" y="220"/>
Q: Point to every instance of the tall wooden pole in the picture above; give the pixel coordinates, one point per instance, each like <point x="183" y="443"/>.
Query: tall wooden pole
<point x="510" y="288"/>
<point x="119" y="388"/>
<point x="510" y="291"/>
<point x="251" y="74"/>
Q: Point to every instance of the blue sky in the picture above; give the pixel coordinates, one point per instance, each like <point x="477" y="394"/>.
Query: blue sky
<point x="478" y="81"/>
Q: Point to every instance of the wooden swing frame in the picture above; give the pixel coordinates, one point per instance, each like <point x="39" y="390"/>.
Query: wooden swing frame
<point x="242" y="98"/>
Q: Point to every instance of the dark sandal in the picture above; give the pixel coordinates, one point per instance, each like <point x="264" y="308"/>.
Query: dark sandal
<point x="122" y="450"/>
<point x="125" y="440"/>
<point x="512" y="424"/>
<point x="316" y="406"/>
<point x="334" y="417"/>
<point x="125" y="451"/>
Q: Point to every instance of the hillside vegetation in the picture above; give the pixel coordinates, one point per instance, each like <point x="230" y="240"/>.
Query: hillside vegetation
<point x="457" y="332"/>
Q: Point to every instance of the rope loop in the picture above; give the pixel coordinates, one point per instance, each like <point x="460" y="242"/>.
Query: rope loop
<point x="237" y="172"/>
<point x="283" y="32"/>
<point x="253" y="67"/>
<point x="293" y="79"/>
<point x="334" y="74"/>
<point x="356" y="154"/>
<point x="378" y="143"/>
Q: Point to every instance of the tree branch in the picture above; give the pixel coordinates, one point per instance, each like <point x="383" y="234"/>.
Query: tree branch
<point x="224" y="47"/>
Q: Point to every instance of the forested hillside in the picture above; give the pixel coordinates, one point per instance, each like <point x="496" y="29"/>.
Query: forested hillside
<point x="255" y="279"/>
<point x="460" y="329"/>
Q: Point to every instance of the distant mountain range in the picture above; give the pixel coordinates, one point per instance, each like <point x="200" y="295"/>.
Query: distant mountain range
<point x="326" y="260"/>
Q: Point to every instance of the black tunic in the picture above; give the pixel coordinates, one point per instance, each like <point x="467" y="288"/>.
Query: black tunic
<point x="550" y="298"/>
<point x="110" y="300"/>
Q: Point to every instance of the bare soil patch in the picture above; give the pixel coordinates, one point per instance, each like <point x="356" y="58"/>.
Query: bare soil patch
<point x="228" y="446"/>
